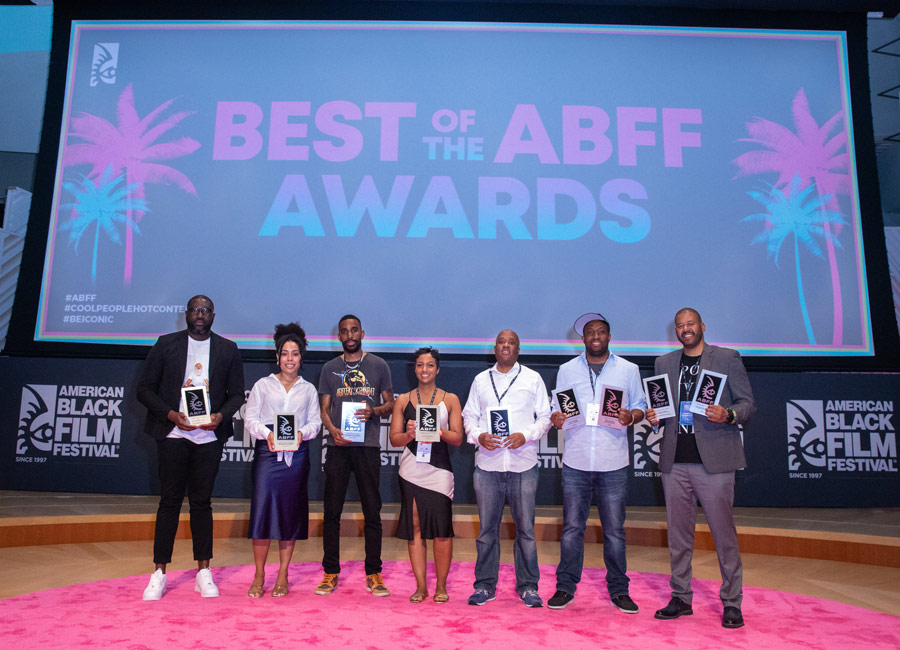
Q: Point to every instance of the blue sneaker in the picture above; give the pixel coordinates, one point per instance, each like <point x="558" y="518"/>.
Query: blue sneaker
<point x="481" y="596"/>
<point x="531" y="598"/>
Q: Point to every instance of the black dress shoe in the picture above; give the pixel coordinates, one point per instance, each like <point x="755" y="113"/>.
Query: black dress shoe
<point x="674" y="609"/>
<point x="732" y="618"/>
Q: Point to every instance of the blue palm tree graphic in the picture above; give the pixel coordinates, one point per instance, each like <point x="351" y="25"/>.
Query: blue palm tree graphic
<point x="789" y="213"/>
<point x="104" y="204"/>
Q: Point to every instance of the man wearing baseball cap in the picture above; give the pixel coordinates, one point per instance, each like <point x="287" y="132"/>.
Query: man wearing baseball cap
<point x="595" y="459"/>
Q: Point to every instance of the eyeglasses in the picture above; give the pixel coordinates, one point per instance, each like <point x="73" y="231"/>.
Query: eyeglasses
<point x="199" y="310"/>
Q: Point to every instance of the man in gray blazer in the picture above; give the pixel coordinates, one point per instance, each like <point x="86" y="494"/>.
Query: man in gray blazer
<point x="698" y="459"/>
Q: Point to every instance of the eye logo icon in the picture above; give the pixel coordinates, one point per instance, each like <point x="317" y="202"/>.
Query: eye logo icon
<point x="105" y="63"/>
<point x="708" y="391"/>
<point x="196" y="404"/>
<point x="806" y="434"/>
<point x="500" y="425"/>
<point x="657" y="393"/>
<point x="37" y="419"/>
<point x="612" y="403"/>
<point x="646" y="447"/>
<point x="567" y="405"/>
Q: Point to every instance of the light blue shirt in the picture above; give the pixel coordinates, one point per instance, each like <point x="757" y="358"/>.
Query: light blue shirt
<point x="598" y="449"/>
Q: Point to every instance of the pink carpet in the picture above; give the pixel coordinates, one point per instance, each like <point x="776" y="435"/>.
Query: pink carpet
<point x="111" y="614"/>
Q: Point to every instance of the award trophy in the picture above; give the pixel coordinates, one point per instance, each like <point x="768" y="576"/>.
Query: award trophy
<point x="352" y="428"/>
<point x="709" y="391"/>
<point x="196" y="405"/>
<point x="287" y="434"/>
<point x="427" y="429"/>
<point x="612" y="399"/>
<point x="568" y="406"/>
<point x="498" y="421"/>
<point x="659" y="396"/>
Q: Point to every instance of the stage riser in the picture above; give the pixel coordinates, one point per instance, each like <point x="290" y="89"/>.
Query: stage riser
<point x="878" y="551"/>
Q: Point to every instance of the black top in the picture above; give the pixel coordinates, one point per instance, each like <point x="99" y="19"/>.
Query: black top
<point x="440" y="451"/>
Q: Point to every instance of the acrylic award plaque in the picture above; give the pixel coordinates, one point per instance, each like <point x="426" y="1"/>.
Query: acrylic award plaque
<point x="287" y="433"/>
<point x="659" y="396"/>
<point x="568" y="406"/>
<point x="352" y="428"/>
<point x="427" y="428"/>
<point x="498" y="421"/>
<point x="612" y="398"/>
<point x="709" y="391"/>
<point x="196" y="405"/>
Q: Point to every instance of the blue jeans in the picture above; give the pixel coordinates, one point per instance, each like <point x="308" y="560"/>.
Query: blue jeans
<point x="492" y="489"/>
<point x="609" y="489"/>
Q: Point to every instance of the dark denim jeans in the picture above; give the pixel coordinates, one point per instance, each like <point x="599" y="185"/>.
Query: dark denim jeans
<point x="609" y="489"/>
<point x="492" y="490"/>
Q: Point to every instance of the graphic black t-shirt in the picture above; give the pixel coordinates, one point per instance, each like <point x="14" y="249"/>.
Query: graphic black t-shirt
<point x="686" y="445"/>
<point x="361" y="381"/>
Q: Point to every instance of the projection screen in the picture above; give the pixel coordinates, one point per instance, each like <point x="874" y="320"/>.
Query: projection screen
<point x="447" y="180"/>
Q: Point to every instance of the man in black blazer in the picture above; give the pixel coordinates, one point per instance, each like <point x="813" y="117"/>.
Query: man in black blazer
<point x="188" y="456"/>
<point x="698" y="459"/>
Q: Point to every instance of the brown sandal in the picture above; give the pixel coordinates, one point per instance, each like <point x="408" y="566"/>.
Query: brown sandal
<point x="441" y="598"/>
<point x="257" y="588"/>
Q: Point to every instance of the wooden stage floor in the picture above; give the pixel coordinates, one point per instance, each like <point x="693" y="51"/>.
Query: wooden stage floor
<point x="50" y="539"/>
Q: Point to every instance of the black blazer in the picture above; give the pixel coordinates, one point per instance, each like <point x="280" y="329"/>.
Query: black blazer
<point x="162" y="376"/>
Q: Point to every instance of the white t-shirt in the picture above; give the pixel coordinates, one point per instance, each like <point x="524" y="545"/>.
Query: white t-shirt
<point x="196" y="373"/>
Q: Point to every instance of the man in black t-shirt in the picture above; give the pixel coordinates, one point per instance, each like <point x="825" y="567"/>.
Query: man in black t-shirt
<point x="698" y="458"/>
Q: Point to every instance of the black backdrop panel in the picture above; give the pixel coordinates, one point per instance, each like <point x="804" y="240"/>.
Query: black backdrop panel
<point x="817" y="440"/>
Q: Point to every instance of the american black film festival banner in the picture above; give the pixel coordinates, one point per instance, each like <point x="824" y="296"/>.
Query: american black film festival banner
<point x="817" y="439"/>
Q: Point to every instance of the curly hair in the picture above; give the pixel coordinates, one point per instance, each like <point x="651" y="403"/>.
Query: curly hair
<point x="289" y="332"/>
<point x="428" y="350"/>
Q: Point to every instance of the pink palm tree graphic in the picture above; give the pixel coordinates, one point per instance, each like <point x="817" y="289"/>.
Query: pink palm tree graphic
<point x="130" y="147"/>
<point x="815" y="154"/>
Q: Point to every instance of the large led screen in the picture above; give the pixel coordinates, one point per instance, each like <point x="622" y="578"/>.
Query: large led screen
<point x="448" y="180"/>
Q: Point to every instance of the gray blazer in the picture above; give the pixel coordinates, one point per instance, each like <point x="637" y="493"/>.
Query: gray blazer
<point x="719" y="444"/>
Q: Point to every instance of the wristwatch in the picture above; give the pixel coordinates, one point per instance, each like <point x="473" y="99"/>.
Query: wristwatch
<point x="732" y="416"/>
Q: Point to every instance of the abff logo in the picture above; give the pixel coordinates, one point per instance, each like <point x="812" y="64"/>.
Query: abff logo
<point x="37" y="417"/>
<point x="646" y="446"/>
<point x="805" y="433"/>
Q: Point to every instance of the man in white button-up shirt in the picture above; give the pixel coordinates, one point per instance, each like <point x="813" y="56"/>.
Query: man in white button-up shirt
<point x="506" y="467"/>
<point x="595" y="461"/>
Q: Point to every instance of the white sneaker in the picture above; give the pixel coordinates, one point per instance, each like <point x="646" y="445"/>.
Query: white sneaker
<point x="157" y="586"/>
<point x="205" y="585"/>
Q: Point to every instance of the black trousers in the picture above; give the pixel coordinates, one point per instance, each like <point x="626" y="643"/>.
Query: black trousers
<point x="365" y="463"/>
<point x="185" y="467"/>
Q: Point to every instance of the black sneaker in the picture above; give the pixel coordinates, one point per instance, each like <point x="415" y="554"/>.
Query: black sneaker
<point x="625" y="604"/>
<point x="560" y="599"/>
<point x="732" y="618"/>
<point x="674" y="609"/>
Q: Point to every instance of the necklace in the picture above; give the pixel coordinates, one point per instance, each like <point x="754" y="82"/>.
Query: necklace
<point x="347" y="365"/>
<point x="419" y="397"/>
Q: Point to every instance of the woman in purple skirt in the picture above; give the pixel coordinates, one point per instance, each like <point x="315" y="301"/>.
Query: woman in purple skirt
<point x="279" y="507"/>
